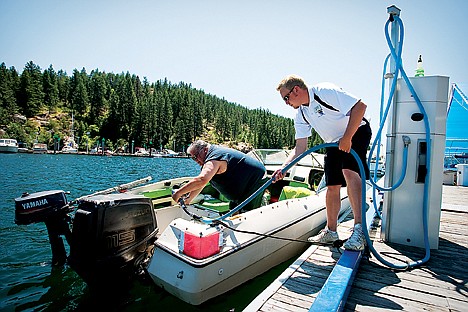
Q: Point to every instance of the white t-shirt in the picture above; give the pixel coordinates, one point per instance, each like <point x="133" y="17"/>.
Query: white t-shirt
<point x="328" y="123"/>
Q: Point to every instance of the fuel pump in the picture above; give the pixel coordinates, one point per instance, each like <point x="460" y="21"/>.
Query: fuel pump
<point x="415" y="149"/>
<point x="402" y="217"/>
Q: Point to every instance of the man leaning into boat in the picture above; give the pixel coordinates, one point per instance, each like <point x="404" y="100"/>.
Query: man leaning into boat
<point x="336" y="115"/>
<point x="231" y="172"/>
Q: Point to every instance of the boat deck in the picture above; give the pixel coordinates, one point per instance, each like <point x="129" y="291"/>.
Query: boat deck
<point x="439" y="285"/>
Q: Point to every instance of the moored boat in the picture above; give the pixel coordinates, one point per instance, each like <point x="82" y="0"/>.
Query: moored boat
<point x="197" y="260"/>
<point x="70" y="147"/>
<point x="39" y="148"/>
<point x="195" y="253"/>
<point x="8" y="146"/>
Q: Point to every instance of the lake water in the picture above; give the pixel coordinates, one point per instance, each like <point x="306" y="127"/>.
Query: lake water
<point x="30" y="283"/>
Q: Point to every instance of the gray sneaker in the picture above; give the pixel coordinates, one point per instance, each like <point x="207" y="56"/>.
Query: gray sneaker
<point x="325" y="236"/>
<point x="356" y="241"/>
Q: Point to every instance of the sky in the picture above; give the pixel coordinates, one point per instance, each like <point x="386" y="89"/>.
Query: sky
<point x="237" y="50"/>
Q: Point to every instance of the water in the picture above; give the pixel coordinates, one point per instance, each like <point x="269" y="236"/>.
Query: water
<point x="30" y="283"/>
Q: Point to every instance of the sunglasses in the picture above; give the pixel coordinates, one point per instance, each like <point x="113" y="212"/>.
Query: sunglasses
<point x="286" y="97"/>
<point x="195" y="156"/>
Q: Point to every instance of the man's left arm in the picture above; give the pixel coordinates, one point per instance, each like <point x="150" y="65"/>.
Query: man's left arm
<point x="197" y="184"/>
<point x="355" y="118"/>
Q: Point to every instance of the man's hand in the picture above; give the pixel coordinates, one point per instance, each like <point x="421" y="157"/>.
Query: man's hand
<point x="177" y="195"/>
<point x="344" y="145"/>
<point x="278" y="175"/>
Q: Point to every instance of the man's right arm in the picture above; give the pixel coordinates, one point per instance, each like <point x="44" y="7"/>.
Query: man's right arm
<point x="301" y="146"/>
<point x="196" y="185"/>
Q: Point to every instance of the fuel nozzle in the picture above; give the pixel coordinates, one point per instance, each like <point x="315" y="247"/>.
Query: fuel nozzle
<point x="406" y="140"/>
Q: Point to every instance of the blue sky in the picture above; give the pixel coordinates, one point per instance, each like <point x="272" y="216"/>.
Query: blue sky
<point x="239" y="49"/>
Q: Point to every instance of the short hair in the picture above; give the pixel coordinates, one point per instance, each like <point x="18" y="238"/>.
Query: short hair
<point x="290" y="82"/>
<point x="196" y="146"/>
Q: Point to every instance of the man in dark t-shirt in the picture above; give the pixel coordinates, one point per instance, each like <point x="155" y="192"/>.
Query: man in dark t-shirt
<point x="231" y="172"/>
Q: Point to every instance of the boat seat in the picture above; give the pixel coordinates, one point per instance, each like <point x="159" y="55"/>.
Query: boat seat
<point x="165" y="192"/>
<point x="214" y="205"/>
<point x="289" y="192"/>
<point x="298" y="184"/>
<point x="212" y="200"/>
<point x="161" y="197"/>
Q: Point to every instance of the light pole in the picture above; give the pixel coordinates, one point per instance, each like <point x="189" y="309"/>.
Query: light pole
<point x="87" y="141"/>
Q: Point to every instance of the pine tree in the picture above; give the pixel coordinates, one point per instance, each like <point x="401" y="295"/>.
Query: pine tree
<point x="51" y="90"/>
<point x="122" y="108"/>
<point x="31" y="95"/>
<point x="8" y="88"/>
<point x="79" y="99"/>
<point x="63" y="85"/>
<point x="98" y="94"/>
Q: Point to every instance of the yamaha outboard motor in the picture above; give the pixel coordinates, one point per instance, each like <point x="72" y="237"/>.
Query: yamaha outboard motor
<point x="111" y="234"/>
<point x="52" y="208"/>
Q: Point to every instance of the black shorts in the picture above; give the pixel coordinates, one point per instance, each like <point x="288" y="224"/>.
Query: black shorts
<point x="336" y="160"/>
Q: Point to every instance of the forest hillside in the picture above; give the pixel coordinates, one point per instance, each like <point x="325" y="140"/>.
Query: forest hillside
<point x="123" y="110"/>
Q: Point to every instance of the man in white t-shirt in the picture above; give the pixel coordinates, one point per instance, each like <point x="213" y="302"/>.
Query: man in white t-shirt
<point x="337" y="116"/>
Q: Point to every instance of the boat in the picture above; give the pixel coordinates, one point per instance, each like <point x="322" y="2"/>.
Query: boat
<point x="8" y="146"/>
<point x="23" y="148"/>
<point x="196" y="261"/>
<point x="141" y="151"/>
<point x="70" y="146"/>
<point x="195" y="253"/>
<point x="39" y="148"/>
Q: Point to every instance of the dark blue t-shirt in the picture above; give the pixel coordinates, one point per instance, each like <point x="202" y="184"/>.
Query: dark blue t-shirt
<point x="243" y="173"/>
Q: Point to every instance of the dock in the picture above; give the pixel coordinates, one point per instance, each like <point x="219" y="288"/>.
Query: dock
<point x="441" y="284"/>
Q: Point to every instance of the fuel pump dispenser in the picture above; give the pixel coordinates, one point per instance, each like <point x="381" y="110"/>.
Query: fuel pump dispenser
<point x="402" y="217"/>
<point x="415" y="150"/>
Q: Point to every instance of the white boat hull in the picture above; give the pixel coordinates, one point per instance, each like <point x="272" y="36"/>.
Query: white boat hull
<point x="243" y="256"/>
<point x="8" y="146"/>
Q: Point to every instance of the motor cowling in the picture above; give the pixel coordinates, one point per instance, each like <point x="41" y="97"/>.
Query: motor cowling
<point x="52" y="208"/>
<point x="110" y="232"/>
<point x="40" y="206"/>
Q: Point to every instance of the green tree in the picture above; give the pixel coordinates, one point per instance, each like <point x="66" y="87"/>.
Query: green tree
<point x="127" y="106"/>
<point x="8" y="89"/>
<point x="63" y="86"/>
<point x="122" y="108"/>
<point x="51" y="90"/>
<point x="98" y="94"/>
<point x="79" y="99"/>
<point x="31" y="95"/>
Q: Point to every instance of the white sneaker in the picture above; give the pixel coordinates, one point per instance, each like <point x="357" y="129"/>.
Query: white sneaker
<point x="325" y="236"/>
<point x="356" y="241"/>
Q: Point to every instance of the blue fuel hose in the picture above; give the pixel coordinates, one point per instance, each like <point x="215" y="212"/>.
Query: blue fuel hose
<point x="425" y="216"/>
<point x="399" y="69"/>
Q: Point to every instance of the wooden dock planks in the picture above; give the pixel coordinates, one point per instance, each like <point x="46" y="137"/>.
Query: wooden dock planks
<point x="439" y="285"/>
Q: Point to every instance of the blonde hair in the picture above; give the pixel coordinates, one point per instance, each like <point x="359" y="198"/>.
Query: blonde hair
<point x="290" y="82"/>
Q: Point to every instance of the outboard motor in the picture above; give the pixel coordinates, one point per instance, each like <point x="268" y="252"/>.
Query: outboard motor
<point x="111" y="233"/>
<point x="52" y="208"/>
